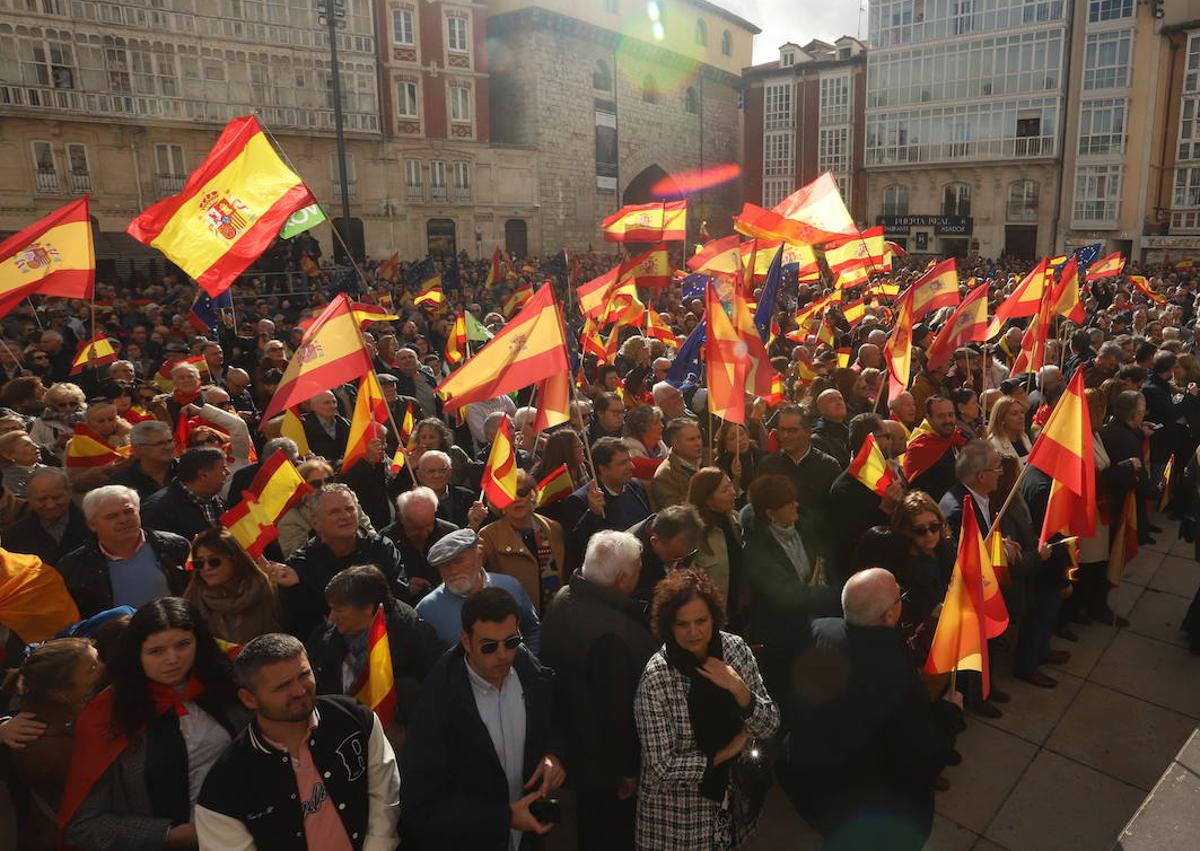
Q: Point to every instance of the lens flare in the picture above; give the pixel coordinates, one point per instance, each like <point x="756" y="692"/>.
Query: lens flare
<point x="694" y="180"/>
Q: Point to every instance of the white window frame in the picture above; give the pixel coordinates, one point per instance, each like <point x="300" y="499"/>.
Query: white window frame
<point x="1088" y="196"/>
<point x="1024" y="210"/>
<point x="833" y="150"/>
<point x="414" y="183"/>
<point x="403" y="27"/>
<point x="174" y="156"/>
<point x="438" y="188"/>
<point x="461" y="108"/>
<point x="892" y="194"/>
<point x="1102" y="126"/>
<point x="47" y="180"/>
<point x="1113" y="74"/>
<point x="835" y="99"/>
<point x="778" y="157"/>
<point x="462" y="181"/>
<point x="1109" y="10"/>
<point x="775" y="189"/>
<point x="1191" y="76"/>
<point x="405" y="88"/>
<point x="458" y="34"/>
<point x="777" y="106"/>
<point x="1186" y="191"/>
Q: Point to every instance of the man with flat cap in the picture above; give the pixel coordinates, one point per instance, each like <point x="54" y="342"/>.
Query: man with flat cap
<point x="459" y="562"/>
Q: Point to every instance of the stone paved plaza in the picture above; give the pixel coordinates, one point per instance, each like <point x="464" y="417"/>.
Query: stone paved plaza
<point x="1066" y="768"/>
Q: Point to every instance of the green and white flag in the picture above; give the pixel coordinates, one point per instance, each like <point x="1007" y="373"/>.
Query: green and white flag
<point x="476" y="333"/>
<point x="302" y="220"/>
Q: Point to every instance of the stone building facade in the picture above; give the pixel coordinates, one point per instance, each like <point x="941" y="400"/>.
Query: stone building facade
<point x="614" y="100"/>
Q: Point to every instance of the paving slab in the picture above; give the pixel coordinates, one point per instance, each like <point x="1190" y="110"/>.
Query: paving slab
<point x="993" y="761"/>
<point x="1177" y="575"/>
<point x="1163" y="674"/>
<point x="1168" y="819"/>
<point x="1086" y="652"/>
<point x="1060" y="804"/>
<point x="782" y="827"/>
<point x="1158" y="614"/>
<point x="985" y="844"/>
<point x="1123" y="598"/>
<point x="1143" y="566"/>
<point x="1033" y="712"/>
<point x="949" y="836"/>
<point x="1120" y="735"/>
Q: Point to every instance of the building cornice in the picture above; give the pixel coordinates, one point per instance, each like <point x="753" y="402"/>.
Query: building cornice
<point x="774" y="69"/>
<point x="529" y="19"/>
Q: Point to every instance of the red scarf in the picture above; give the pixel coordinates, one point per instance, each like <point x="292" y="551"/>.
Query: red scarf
<point x="186" y="398"/>
<point x="926" y="449"/>
<point x="99" y="742"/>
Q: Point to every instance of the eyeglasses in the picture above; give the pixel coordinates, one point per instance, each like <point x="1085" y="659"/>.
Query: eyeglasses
<point x="925" y="530"/>
<point x="210" y="561"/>
<point x="489" y="645"/>
<point x="317" y="484"/>
<point x="903" y="598"/>
<point x="524" y="492"/>
<point x="682" y="561"/>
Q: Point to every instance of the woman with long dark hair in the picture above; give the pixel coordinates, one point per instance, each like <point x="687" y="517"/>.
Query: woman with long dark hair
<point x="700" y="704"/>
<point x="924" y="568"/>
<point x="235" y="596"/>
<point x="720" y="551"/>
<point x="144" y="745"/>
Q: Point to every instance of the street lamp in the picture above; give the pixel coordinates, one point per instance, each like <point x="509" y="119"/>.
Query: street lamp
<point x="332" y="14"/>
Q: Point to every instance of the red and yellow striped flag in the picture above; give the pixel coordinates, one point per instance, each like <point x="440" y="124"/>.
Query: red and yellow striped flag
<point x="456" y="340"/>
<point x="1143" y="286"/>
<point x="1106" y="267"/>
<point x="897" y="352"/>
<point x="936" y="288"/>
<point x="86" y="449"/>
<point x="1165" y="483"/>
<point x="229" y="211"/>
<point x="553" y="401"/>
<point x="378" y="689"/>
<point x="1026" y="299"/>
<point x="871" y="468"/>
<point x="557" y="485"/>
<point x="34" y="601"/>
<point x="95" y="352"/>
<point x="370" y="409"/>
<point x="660" y="330"/>
<point x="1066" y="298"/>
<point x="431" y="293"/>
<point x="725" y="353"/>
<point x="517" y="299"/>
<point x="1063" y="451"/>
<point x="500" y="471"/>
<point x="654" y="222"/>
<point x="277" y="486"/>
<point x="310" y="267"/>
<point x="1124" y="538"/>
<point x="53" y="256"/>
<point x="293" y="428"/>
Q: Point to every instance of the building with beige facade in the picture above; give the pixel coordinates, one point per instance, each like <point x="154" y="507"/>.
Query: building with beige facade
<point x="123" y="99"/>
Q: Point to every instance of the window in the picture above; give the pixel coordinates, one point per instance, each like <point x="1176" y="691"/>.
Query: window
<point x="1102" y="126"/>
<point x="402" y="26"/>
<point x="437" y="180"/>
<point x="833" y="150"/>
<point x="45" y="172"/>
<point x="1036" y="11"/>
<point x="601" y="77"/>
<point x="835" y="99"/>
<point x="726" y="43"/>
<point x="1191" y="77"/>
<point x="1109" y="10"/>
<point x="610" y="6"/>
<point x="460" y="103"/>
<point x="413" y="189"/>
<point x="457" y="36"/>
<point x="406" y="102"/>
<point x="691" y="101"/>
<point x="895" y="200"/>
<point x="1189" y="129"/>
<point x="787" y="59"/>
<point x="1187" y="187"/>
<point x="1106" y="59"/>
<point x="775" y="191"/>
<point x="47" y="63"/>
<point x="777" y="155"/>
<point x="1023" y="201"/>
<point x="79" y="174"/>
<point x="649" y="89"/>
<point x="336" y="177"/>
<point x="462" y="181"/>
<point x="701" y="33"/>
<point x="168" y="163"/>
<point x="777" y="99"/>
<point x="956" y="200"/>
<point x="1097" y="193"/>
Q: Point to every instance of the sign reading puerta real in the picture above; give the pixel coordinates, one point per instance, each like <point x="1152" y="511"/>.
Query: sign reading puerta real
<point x="942" y="225"/>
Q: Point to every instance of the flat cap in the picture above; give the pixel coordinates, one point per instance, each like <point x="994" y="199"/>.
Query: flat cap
<point x="451" y="546"/>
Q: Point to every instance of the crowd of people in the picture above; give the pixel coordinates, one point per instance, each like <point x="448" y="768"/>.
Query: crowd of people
<point x="712" y="607"/>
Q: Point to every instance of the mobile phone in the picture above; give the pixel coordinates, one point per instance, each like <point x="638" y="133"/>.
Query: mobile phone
<point x="546" y="810"/>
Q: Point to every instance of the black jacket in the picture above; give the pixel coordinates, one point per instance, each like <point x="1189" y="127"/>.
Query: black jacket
<point x="414" y="557"/>
<point x="455" y="505"/>
<point x="172" y="510"/>
<point x="626" y="509"/>
<point x="781" y="604"/>
<point x="813" y="476"/>
<point x="241" y="481"/>
<point x="951" y="505"/>
<point x="454" y="790"/>
<point x="134" y="477"/>
<point x="833" y="439"/>
<point x="304" y="604"/>
<point x="85" y="570"/>
<point x="852" y="509"/>
<point x="254" y="783"/>
<point x="938" y="479"/>
<point x="28" y="536"/>
<point x="1162" y="409"/>
<point x="598" y="645"/>
<point x="413" y="645"/>
<point x="375" y="490"/>
<point x="319" y="441"/>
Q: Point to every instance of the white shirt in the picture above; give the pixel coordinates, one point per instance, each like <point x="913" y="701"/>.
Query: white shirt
<point x="502" y="711"/>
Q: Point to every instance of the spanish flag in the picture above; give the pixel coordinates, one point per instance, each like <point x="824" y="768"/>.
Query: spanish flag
<point x="852" y="277"/>
<point x="804" y="259"/>
<point x="388" y="269"/>
<point x="1124" y="539"/>
<point x="1034" y="343"/>
<point x="529" y="348"/>
<point x="654" y="222"/>
<point x="863" y="250"/>
<point x="365" y="313"/>
<point x="229" y="210"/>
<point x="660" y="330"/>
<point x="725" y="353"/>
<point x="53" y="256"/>
<point x="1106" y="267"/>
<point x="331" y="353"/>
<point x="500" y="471"/>
<point x="310" y="267"/>
<point x="495" y="272"/>
<point x="813" y="214"/>
<point x="854" y="311"/>
<point x="936" y="288"/>
<point x="557" y="485"/>
<point x="431" y="293"/>
<point x="1164" y="484"/>
<point x="967" y="324"/>
<point x="399" y="460"/>
<point x="34" y="602"/>
<point x="277" y="486"/>
<point x="1143" y="286"/>
<point x="651" y="269"/>
<point x="1025" y="300"/>
<point x="1066" y="298"/>
<point x="95" y="352"/>
<point x="456" y="341"/>
<point x="370" y="409"/>
<point x="718" y="257"/>
<point x="293" y="428"/>
<point x="516" y="299"/>
<point x="553" y="401"/>
<point x="87" y="449"/>
<point x="758" y="254"/>
<point x="871" y="468"/>
<point x="897" y="352"/>
<point x="1063" y="451"/>
<point x="377" y="690"/>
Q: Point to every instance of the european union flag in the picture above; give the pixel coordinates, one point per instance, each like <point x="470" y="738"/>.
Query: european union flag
<point x="1087" y="255"/>
<point x="687" y="363"/>
<point x="203" y="316"/>
<point x="770" y="294"/>
<point x="693" y="286"/>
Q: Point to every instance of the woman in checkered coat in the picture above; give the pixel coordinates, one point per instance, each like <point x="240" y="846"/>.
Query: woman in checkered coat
<point x="700" y="708"/>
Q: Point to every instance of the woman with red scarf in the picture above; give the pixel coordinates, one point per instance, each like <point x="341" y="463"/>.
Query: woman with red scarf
<point x="144" y="745"/>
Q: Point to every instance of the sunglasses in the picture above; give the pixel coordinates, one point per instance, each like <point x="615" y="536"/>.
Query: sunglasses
<point x="524" y="492"/>
<point x="489" y="646"/>
<point x="925" y="530"/>
<point x="210" y="561"/>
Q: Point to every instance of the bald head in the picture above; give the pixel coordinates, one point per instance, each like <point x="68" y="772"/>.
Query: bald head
<point x="324" y="404"/>
<point x="871" y="598"/>
<point x="831" y="406"/>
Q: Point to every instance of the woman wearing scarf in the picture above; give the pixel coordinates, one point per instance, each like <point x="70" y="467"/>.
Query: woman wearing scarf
<point x="699" y="708"/>
<point x="233" y="595"/>
<point x="144" y="745"/>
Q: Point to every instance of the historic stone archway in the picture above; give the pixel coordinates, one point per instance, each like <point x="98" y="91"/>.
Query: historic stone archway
<point x="637" y="191"/>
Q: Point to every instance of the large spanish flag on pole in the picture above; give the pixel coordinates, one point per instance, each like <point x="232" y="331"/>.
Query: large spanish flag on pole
<point x="378" y="681"/>
<point x="655" y="222"/>
<point x="897" y="352"/>
<point x="1025" y="300"/>
<point x="229" y="210"/>
<point x="1063" y="451"/>
<point x="936" y="288"/>
<point x="871" y="468"/>
<point x="330" y="353"/>
<point x="370" y="409"/>
<point x="1066" y="299"/>
<point x="500" y="472"/>
<point x="812" y="214"/>
<point x="53" y="256"/>
<point x="529" y="348"/>
<point x="725" y="356"/>
<point x="967" y="324"/>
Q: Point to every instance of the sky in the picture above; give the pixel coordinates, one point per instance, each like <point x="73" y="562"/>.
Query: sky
<point x="796" y="20"/>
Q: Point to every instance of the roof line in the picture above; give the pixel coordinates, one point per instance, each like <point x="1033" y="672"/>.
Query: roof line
<point x="708" y="6"/>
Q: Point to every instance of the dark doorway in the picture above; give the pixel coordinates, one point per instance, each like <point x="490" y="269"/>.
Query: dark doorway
<point x="637" y="191"/>
<point x="440" y="238"/>
<point x="955" y="247"/>
<point x="353" y="235"/>
<point x="516" y="238"/>
<point x="1020" y="241"/>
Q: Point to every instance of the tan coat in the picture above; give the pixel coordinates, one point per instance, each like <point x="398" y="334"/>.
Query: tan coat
<point x="504" y="552"/>
<point x="670" y="484"/>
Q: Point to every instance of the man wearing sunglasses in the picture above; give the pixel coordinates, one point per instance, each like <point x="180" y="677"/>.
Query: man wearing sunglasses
<point x="483" y="743"/>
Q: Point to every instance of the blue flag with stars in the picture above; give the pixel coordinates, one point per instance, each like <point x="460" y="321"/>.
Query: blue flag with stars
<point x="203" y="316"/>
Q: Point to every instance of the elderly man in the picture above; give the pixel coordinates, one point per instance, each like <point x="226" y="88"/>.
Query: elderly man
<point x="324" y="428"/>
<point x="868" y="743"/>
<point x="121" y="564"/>
<point x="829" y="433"/>
<point x="669" y="399"/>
<point x="186" y="378"/>
<point x="101" y="418"/>
<point x="929" y="457"/>
<point x="594" y="634"/>
<point x="671" y="479"/>
<point x="416" y="530"/>
<point x="61" y="357"/>
<point x="903" y="409"/>
<point x="338" y="543"/>
<point x="191" y="502"/>
<point x="977" y="470"/>
<point x="455" y="505"/>
<point x="612" y="500"/>
<point x="237" y="382"/>
<point x="478" y="413"/>
<point x="413" y="381"/>
<point x="54" y="525"/>
<point x="458" y="559"/>
<point x="811" y="470"/>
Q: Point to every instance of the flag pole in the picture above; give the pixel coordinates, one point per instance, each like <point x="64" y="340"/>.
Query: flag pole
<point x="1008" y="500"/>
